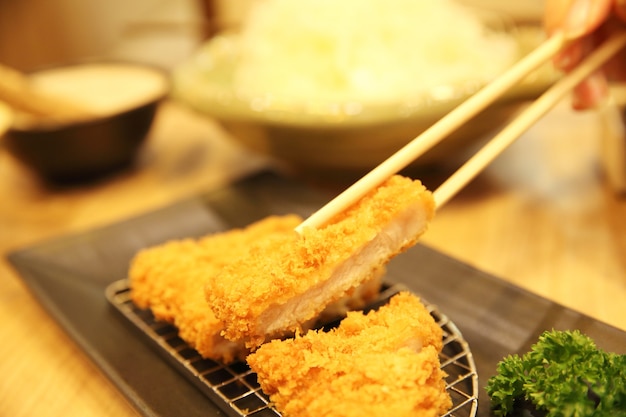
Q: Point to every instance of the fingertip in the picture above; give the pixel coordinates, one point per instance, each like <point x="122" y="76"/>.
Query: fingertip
<point x="569" y="57"/>
<point x="584" y="16"/>
<point x="555" y="13"/>
<point x="590" y="93"/>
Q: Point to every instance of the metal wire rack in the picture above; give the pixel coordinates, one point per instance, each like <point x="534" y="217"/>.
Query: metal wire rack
<point x="234" y="387"/>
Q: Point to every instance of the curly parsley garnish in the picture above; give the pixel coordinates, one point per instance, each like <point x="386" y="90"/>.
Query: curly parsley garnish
<point x="563" y="375"/>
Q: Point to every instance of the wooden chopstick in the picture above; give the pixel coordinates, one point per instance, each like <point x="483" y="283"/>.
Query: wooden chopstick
<point x="437" y="132"/>
<point x="465" y="111"/>
<point x="525" y="119"/>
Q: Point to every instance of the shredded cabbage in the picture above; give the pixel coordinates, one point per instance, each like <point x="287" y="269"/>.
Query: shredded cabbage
<point x="367" y="50"/>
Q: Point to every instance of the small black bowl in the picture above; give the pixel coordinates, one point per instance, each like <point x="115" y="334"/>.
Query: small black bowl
<point x="87" y="149"/>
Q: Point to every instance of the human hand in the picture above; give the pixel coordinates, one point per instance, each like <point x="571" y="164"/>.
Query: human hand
<point x="588" y="23"/>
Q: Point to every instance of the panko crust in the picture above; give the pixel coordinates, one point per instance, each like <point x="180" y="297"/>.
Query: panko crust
<point x="381" y="363"/>
<point x="170" y="280"/>
<point x="287" y="267"/>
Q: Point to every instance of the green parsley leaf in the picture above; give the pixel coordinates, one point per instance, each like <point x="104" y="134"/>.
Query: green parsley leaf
<point x="563" y="375"/>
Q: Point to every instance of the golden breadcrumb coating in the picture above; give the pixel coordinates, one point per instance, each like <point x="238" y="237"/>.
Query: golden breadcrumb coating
<point x="287" y="279"/>
<point x="170" y="279"/>
<point x="384" y="363"/>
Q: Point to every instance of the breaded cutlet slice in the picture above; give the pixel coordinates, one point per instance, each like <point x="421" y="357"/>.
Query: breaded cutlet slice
<point x="285" y="280"/>
<point x="170" y="280"/>
<point x="384" y="363"/>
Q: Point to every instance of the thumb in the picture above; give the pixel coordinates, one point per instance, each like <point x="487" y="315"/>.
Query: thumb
<point x="576" y="18"/>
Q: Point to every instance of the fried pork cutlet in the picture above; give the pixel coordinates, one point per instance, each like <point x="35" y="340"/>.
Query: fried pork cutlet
<point x="384" y="363"/>
<point x="287" y="279"/>
<point x="170" y="280"/>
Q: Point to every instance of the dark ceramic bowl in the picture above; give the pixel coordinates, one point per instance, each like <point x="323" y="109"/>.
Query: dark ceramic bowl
<point x="87" y="149"/>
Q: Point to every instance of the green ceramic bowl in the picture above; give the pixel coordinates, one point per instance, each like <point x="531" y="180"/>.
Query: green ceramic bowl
<point x="343" y="137"/>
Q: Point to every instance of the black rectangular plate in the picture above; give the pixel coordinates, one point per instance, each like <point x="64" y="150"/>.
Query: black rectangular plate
<point x="69" y="275"/>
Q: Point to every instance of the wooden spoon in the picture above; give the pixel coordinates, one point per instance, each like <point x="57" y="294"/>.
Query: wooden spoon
<point x="17" y="91"/>
<point x="6" y="118"/>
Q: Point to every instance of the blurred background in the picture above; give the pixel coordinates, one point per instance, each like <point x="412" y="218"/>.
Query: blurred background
<point x="40" y="33"/>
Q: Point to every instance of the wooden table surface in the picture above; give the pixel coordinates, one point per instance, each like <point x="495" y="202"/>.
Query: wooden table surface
<point x="541" y="217"/>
